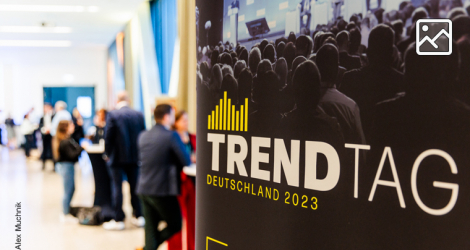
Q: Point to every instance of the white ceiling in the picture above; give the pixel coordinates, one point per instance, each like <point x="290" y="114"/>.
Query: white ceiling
<point x="88" y="28"/>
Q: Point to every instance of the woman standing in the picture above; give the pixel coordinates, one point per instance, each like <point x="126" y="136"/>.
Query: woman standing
<point x="66" y="152"/>
<point x="187" y="199"/>
<point x="181" y="126"/>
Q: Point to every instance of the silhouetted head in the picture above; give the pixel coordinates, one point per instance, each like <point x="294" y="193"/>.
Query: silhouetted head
<point x="243" y="55"/>
<point x="303" y="46"/>
<point x="205" y="70"/>
<point x="279" y="40"/>
<point x="431" y="75"/>
<point x="225" y="58"/>
<point x="280" y="49"/>
<point x="419" y="13"/>
<point x="291" y="38"/>
<point x="281" y="70"/>
<point x="269" y="53"/>
<point x="214" y="57"/>
<point x="355" y="38"/>
<point x="227" y="69"/>
<point x="334" y="30"/>
<point x="237" y="69"/>
<point x="317" y="41"/>
<point x="354" y="18"/>
<point x="245" y="83"/>
<point x="306" y="83"/>
<point x="331" y="40"/>
<point x="460" y="27"/>
<point x="343" y="40"/>
<point x="266" y="91"/>
<point x="289" y="54"/>
<point x="325" y="36"/>
<point x="216" y="79"/>
<point x="351" y="26"/>
<point x="264" y="66"/>
<point x="455" y="12"/>
<point x="342" y="25"/>
<point x="230" y="85"/>
<point x="328" y="62"/>
<point x="297" y="61"/>
<point x="254" y="59"/>
<point x="381" y="41"/>
<point x="398" y="29"/>
<point x="379" y="13"/>
<point x="263" y="45"/>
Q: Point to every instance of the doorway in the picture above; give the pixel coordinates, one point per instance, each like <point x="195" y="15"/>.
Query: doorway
<point x="82" y="98"/>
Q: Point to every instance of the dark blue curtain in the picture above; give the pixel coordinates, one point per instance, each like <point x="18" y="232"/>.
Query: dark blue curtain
<point x="165" y="28"/>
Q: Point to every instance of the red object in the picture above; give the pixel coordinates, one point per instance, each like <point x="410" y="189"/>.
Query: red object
<point x="187" y="201"/>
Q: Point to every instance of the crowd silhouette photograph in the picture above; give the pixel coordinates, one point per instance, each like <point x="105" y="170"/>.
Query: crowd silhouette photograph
<point x="348" y="72"/>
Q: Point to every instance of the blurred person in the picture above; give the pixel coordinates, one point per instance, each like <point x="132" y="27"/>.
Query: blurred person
<point x="245" y="85"/>
<point x="28" y="128"/>
<point x="163" y="155"/>
<point x="66" y="152"/>
<point x="243" y="55"/>
<point x="459" y="11"/>
<point x="377" y="81"/>
<point x="297" y="61"/>
<point x="100" y="125"/>
<point x="215" y="82"/>
<point x="225" y="58"/>
<point x="346" y="60"/>
<point x="267" y="117"/>
<point x="239" y="66"/>
<point x="269" y="53"/>
<point x="281" y="70"/>
<point x="123" y="127"/>
<point x="289" y="54"/>
<point x="230" y="85"/>
<point x="280" y="49"/>
<point x="45" y="124"/>
<point x="77" y="120"/>
<point x="227" y="70"/>
<point x="187" y="198"/>
<point x="11" y="133"/>
<point x="306" y="120"/>
<point x="264" y="66"/>
<point x="398" y="28"/>
<point x="304" y="46"/>
<point x="460" y="27"/>
<point x="254" y="59"/>
<point x="291" y="38"/>
<point x="405" y="43"/>
<point x="61" y="114"/>
<point x="262" y="46"/>
<point x="335" y="103"/>
<point x="330" y="40"/>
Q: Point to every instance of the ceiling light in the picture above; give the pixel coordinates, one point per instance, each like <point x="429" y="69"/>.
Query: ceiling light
<point x="35" y="43"/>
<point x="47" y="8"/>
<point x="34" y="29"/>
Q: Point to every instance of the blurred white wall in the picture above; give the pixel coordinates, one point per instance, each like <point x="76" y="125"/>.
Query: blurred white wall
<point x="25" y="71"/>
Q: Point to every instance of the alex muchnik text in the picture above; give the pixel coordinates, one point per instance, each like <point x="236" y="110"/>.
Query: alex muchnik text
<point x="18" y="225"/>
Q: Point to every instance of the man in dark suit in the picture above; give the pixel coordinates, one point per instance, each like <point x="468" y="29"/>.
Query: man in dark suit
<point x="123" y="127"/>
<point x="163" y="155"/>
<point x="345" y="59"/>
<point x="377" y="81"/>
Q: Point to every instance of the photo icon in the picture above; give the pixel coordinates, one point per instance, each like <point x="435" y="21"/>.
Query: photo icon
<point x="434" y="37"/>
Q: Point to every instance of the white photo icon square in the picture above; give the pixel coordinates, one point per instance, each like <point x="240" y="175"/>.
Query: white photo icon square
<point x="434" y="37"/>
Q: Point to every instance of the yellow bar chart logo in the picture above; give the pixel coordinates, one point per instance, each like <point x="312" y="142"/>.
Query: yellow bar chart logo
<point x="225" y="116"/>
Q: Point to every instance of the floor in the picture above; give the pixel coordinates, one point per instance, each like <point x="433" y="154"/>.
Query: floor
<point x="40" y="194"/>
